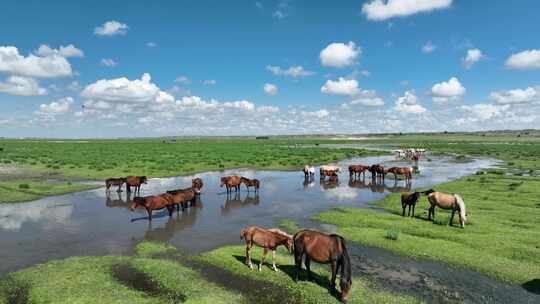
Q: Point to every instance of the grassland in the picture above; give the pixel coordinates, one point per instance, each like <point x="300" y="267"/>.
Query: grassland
<point x="13" y="191"/>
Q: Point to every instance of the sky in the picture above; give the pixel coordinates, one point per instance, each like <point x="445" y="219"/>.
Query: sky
<point x="92" y="69"/>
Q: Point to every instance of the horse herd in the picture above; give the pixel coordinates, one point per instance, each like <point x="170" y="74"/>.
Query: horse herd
<point x="307" y="245"/>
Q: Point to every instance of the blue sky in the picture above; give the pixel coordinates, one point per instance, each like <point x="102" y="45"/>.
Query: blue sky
<point x="75" y="68"/>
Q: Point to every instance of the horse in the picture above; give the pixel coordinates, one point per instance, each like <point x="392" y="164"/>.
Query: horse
<point x="196" y="185"/>
<point x="406" y="171"/>
<point x="308" y="171"/>
<point x="268" y="239"/>
<point x="324" y="248"/>
<point x="329" y="171"/>
<point x="448" y="201"/>
<point x="115" y="182"/>
<point x="250" y="183"/>
<point x="135" y="181"/>
<point x="231" y="182"/>
<point x="357" y="170"/>
<point x="410" y="199"/>
<point x="154" y="202"/>
<point x="181" y="197"/>
<point x="377" y="170"/>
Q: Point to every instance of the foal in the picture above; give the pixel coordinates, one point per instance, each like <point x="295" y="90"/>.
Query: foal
<point x="268" y="239"/>
<point x="115" y="182"/>
<point x="410" y="199"/>
<point x="250" y="183"/>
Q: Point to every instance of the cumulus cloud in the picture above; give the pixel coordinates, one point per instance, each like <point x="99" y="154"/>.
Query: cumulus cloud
<point x="293" y="71"/>
<point x="22" y="86"/>
<point x="342" y="86"/>
<point x="182" y="80"/>
<point x="525" y="60"/>
<point x="61" y="106"/>
<point x="447" y="91"/>
<point x="240" y="104"/>
<point x="473" y="56"/>
<point x="408" y="103"/>
<point x="483" y="111"/>
<point x="111" y="28"/>
<point x="122" y="90"/>
<point x="379" y="10"/>
<point x="268" y="109"/>
<point x="108" y="62"/>
<point x="270" y="89"/>
<point x="516" y="96"/>
<point x="52" y="65"/>
<point x="367" y="98"/>
<point x="428" y="48"/>
<point x="64" y="51"/>
<point x="339" y="55"/>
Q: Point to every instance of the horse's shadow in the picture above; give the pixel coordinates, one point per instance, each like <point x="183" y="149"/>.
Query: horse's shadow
<point x="290" y="270"/>
<point x="532" y="286"/>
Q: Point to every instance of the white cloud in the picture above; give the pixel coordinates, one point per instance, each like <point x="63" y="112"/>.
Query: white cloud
<point x="342" y="86"/>
<point x="22" y="86"/>
<point x="182" y="80"/>
<point x="473" y="56"/>
<point x="268" y="109"/>
<point x="270" y="89"/>
<point x="365" y="73"/>
<point x="151" y="44"/>
<point x="516" y="96"/>
<point x="51" y="66"/>
<point x="108" y="62"/>
<point x="482" y="111"/>
<point x="111" y="28"/>
<point x="525" y="60"/>
<point x="428" y="48"/>
<point x="64" y="51"/>
<point x="122" y="90"/>
<point x="240" y="104"/>
<point x="61" y="106"/>
<point x="197" y="102"/>
<point x="209" y="82"/>
<point x="447" y="91"/>
<point x="367" y="98"/>
<point x="339" y="55"/>
<point x="293" y="71"/>
<point x="379" y="10"/>
<point x="408" y="103"/>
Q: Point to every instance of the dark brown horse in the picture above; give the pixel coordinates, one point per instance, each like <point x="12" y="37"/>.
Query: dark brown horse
<point x="154" y="202"/>
<point x="251" y="183"/>
<point x="326" y="249"/>
<point x="405" y="171"/>
<point x="356" y="170"/>
<point x="115" y="182"/>
<point x="181" y="197"/>
<point x="377" y="170"/>
<point x="196" y="185"/>
<point x="410" y="199"/>
<point x="268" y="239"/>
<point x="231" y="182"/>
<point x="135" y="181"/>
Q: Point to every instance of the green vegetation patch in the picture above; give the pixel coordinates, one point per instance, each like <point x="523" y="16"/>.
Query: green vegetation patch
<point x="13" y="191"/>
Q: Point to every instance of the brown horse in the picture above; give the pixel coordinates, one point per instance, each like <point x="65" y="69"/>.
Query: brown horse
<point x="251" y="183"/>
<point x="377" y="170"/>
<point x="406" y="171"/>
<point x="326" y="249"/>
<point x="154" y="202"/>
<point x="231" y="182"/>
<point x="357" y="170"/>
<point x="115" y="182"/>
<point x="196" y="185"/>
<point x="328" y="171"/>
<point x="135" y="181"/>
<point x="181" y="197"/>
<point x="268" y="239"/>
<point x="410" y="199"/>
<point x="448" y="201"/>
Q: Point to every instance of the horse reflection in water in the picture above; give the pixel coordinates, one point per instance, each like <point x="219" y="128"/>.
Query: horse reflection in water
<point x="118" y="202"/>
<point x="378" y="186"/>
<point x="331" y="183"/>
<point x="174" y="224"/>
<point x="235" y="201"/>
<point x="308" y="182"/>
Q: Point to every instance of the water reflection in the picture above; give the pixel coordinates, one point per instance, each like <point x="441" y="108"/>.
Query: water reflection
<point x="116" y="200"/>
<point x="235" y="201"/>
<point x="329" y="184"/>
<point x="309" y="182"/>
<point x="397" y="188"/>
<point x="175" y="223"/>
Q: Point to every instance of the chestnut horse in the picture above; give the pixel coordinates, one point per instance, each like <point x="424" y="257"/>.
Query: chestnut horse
<point x="115" y="182"/>
<point x="406" y="171"/>
<point x="377" y="170"/>
<point x="357" y="170"/>
<point x="324" y="248"/>
<point x="181" y="197"/>
<point x="250" y="183"/>
<point x="231" y="182"/>
<point x="410" y="199"/>
<point x="448" y="201"/>
<point x="268" y="239"/>
<point x="135" y="181"/>
<point x="154" y="202"/>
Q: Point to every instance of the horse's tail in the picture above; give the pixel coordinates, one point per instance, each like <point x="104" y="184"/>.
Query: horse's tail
<point x="461" y="205"/>
<point x="345" y="261"/>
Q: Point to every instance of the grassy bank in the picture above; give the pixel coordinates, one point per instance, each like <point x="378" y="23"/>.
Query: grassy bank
<point x="500" y="238"/>
<point x="13" y="191"/>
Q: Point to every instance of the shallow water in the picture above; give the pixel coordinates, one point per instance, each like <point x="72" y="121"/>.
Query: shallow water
<point x="94" y="223"/>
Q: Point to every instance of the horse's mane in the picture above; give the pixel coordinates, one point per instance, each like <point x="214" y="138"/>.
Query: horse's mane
<point x="280" y="232"/>
<point x="461" y="204"/>
<point x="344" y="260"/>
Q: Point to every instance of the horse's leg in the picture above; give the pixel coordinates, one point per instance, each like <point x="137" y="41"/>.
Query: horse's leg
<point x="248" y="256"/>
<point x="149" y="214"/>
<point x="452" y="217"/>
<point x="404" y="206"/>
<point x="307" y="263"/>
<point x="170" y="209"/>
<point x="298" y="253"/>
<point x="263" y="255"/>
<point x="274" y="260"/>
<point x="333" y="266"/>
<point x="413" y="205"/>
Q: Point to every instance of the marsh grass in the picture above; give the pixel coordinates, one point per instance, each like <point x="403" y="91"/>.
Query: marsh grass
<point x="13" y="191"/>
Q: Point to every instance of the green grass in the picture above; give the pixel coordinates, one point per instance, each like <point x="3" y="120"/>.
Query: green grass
<point x="500" y="239"/>
<point x="231" y="258"/>
<point x="13" y="191"/>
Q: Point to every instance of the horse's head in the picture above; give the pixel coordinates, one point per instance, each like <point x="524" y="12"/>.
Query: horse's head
<point x="196" y="185"/>
<point x="137" y="201"/>
<point x="289" y="244"/>
<point x="143" y="179"/>
<point x="345" y="286"/>
<point x="223" y="181"/>
<point x="428" y="192"/>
